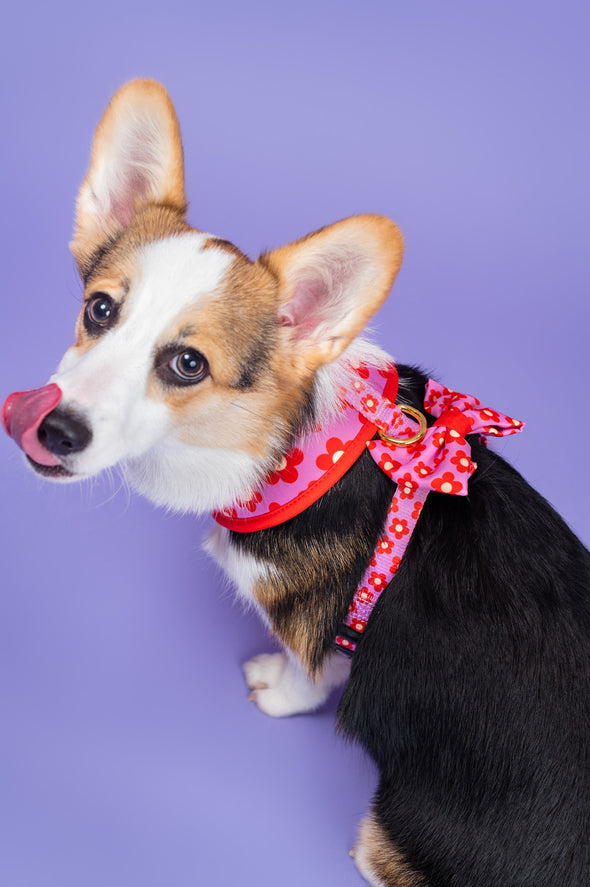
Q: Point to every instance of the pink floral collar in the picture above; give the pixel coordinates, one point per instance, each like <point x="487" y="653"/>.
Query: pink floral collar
<point x="436" y="458"/>
<point x="315" y="463"/>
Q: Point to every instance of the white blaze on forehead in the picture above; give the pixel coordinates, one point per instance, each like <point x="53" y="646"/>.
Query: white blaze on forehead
<point x="108" y="382"/>
<point x="172" y="275"/>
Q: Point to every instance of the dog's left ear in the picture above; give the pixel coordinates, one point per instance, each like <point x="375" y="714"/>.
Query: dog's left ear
<point x="332" y="282"/>
<point x="136" y="160"/>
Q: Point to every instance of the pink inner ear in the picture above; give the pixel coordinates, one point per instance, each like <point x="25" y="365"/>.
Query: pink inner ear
<point x="134" y="169"/>
<point x="123" y="201"/>
<point x="307" y="308"/>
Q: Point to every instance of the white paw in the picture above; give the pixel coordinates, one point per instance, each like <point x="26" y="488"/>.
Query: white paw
<point x="264" y="676"/>
<point x="265" y="670"/>
<point x="275" y="702"/>
<point x="281" y="687"/>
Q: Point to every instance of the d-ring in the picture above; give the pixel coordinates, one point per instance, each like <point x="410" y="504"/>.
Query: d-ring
<point x="407" y="441"/>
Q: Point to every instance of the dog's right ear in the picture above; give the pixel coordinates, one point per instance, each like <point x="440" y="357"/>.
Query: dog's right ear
<point x="136" y="160"/>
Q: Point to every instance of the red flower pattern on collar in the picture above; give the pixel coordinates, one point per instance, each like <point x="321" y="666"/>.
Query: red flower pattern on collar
<point x="439" y="462"/>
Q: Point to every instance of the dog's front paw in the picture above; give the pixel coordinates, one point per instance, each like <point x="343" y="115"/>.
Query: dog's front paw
<point x="264" y="671"/>
<point x="280" y="685"/>
<point x="263" y="676"/>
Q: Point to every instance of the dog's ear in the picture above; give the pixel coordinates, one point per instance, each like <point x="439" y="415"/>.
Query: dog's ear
<point x="332" y="282"/>
<point x="136" y="160"/>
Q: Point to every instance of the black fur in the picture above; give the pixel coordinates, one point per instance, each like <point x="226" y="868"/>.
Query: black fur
<point x="95" y="260"/>
<point x="352" y="512"/>
<point x="470" y="687"/>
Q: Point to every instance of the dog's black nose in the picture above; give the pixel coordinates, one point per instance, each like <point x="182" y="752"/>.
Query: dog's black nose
<point x="63" y="432"/>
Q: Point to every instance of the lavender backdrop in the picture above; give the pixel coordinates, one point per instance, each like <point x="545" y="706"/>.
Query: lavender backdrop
<point x="128" y="752"/>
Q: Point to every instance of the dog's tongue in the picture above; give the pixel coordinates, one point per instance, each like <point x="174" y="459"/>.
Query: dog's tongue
<point x="22" y="414"/>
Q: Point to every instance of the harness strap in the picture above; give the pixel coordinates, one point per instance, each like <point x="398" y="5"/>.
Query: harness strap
<point x="439" y="460"/>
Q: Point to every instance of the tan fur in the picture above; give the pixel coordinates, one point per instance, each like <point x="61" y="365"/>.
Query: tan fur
<point x="292" y="594"/>
<point x="241" y="312"/>
<point x="382" y="243"/>
<point x="113" y="272"/>
<point x="225" y="329"/>
<point x="228" y="246"/>
<point x="150" y="97"/>
<point x="383" y="858"/>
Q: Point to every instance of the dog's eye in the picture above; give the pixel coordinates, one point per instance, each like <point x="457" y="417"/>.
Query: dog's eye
<point x="189" y="365"/>
<point x="99" y="310"/>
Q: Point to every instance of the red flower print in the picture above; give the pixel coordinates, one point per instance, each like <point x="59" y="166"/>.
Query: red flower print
<point x="447" y="483"/>
<point x="490" y="416"/>
<point x="377" y="580"/>
<point x="439" y="438"/>
<point x="493" y="430"/>
<point x="388" y="465"/>
<point x="335" y="449"/>
<point x="462" y="461"/>
<point x="362" y="370"/>
<point x="365" y="595"/>
<point x="416" y="449"/>
<point x="432" y="398"/>
<point x="287" y="470"/>
<point x="399" y="528"/>
<point x="253" y="502"/>
<point x="382" y="443"/>
<point x="417" y="509"/>
<point x="384" y="546"/>
<point x="454" y="398"/>
<point x="359" y="624"/>
<point x="406" y="486"/>
<point x="395" y="563"/>
<point x="357" y="385"/>
<point x="370" y="403"/>
<point x="423" y="470"/>
<point x="463" y="421"/>
<point x="386" y="428"/>
<point x="441" y="457"/>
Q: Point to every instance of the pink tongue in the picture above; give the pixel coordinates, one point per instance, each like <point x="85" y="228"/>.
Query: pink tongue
<point x="22" y="414"/>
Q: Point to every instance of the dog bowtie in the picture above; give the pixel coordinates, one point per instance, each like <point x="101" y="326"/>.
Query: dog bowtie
<point x="441" y="459"/>
<point x="435" y="459"/>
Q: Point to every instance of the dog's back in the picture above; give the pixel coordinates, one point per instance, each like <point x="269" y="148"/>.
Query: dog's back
<point x="471" y="690"/>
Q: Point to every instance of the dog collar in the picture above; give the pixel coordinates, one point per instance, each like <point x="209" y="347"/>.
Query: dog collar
<point x="322" y="457"/>
<point x="417" y="460"/>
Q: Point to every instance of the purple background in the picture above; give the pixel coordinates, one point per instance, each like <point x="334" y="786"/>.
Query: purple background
<point x="128" y="752"/>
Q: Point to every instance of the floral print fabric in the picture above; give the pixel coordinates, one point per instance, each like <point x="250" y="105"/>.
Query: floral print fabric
<point x="440" y="462"/>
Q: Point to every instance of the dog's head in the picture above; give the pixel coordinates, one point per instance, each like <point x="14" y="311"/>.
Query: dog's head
<point x="192" y="366"/>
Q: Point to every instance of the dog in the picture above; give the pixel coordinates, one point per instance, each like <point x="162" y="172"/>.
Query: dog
<point x="209" y="378"/>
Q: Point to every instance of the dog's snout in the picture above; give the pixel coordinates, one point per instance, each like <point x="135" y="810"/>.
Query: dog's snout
<point x="64" y="432"/>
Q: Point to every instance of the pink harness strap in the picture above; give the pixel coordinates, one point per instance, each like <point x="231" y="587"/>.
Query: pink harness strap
<point x="441" y="461"/>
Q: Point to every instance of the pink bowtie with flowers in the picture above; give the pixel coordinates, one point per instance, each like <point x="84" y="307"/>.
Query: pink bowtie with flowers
<point x="436" y="458"/>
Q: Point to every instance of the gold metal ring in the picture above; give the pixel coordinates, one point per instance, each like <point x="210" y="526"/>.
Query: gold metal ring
<point x="407" y="441"/>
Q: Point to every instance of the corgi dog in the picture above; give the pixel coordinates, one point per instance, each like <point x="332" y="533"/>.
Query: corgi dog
<point x="209" y="378"/>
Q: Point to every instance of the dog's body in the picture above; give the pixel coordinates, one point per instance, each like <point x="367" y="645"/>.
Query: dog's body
<point x="194" y="369"/>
